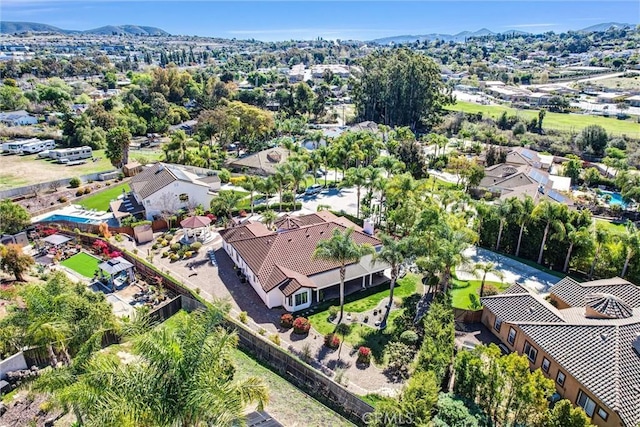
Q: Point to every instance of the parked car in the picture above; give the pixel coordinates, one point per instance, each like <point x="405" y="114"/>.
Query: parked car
<point x="314" y="189"/>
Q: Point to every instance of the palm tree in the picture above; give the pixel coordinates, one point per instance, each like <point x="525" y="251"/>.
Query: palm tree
<point x="180" y="376"/>
<point x="576" y="237"/>
<point x="341" y="249"/>
<point x="251" y="184"/>
<point x="390" y="164"/>
<point x="324" y="156"/>
<point x="522" y="212"/>
<point x="51" y="335"/>
<point x="225" y="202"/>
<point x="282" y="179"/>
<point x="358" y="177"/>
<point x="268" y="217"/>
<point x="298" y="173"/>
<point x="269" y="187"/>
<point x="601" y="237"/>
<point x="487" y="268"/>
<point x="631" y="240"/>
<point x="502" y="208"/>
<point x="393" y="252"/>
<point x="550" y="213"/>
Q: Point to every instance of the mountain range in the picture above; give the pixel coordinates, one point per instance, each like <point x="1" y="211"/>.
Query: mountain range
<point x="34" y="27"/>
<point x="460" y="37"/>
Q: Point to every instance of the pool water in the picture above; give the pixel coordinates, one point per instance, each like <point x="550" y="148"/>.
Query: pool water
<point x="70" y="218"/>
<point x="616" y="198"/>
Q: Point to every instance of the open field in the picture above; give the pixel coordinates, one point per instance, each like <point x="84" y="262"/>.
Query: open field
<point x="559" y="121"/>
<point x="101" y="200"/>
<point x="620" y="83"/>
<point x="82" y="263"/>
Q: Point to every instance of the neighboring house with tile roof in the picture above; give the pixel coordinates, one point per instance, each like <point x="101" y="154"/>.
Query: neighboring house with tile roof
<point x="587" y="339"/>
<point x="165" y="187"/>
<point x="280" y="267"/>
<point x="263" y="162"/>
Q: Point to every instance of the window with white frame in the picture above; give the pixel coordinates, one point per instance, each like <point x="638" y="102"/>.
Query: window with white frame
<point x="586" y="403"/>
<point x="560" y="378"/>
<point x="545" y="364"/>
<point x="512" y="336"/>
<point x="530" y="351"/>
<point x="497" y="324"/>
<point x="302" y="298"/>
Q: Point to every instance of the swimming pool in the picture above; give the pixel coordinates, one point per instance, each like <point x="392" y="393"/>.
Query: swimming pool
<point x="70" y="218"/>
<point x="616" y="198"/>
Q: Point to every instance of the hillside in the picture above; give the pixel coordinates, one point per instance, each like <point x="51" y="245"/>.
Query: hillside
<point x="605" y="26"/>
<point x="135" y="30"/>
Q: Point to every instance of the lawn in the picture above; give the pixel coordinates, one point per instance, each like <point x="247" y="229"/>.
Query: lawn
<point x="100" y="201"/>
<point x="559" y="121"/>
<point x="461" y="291"/>
<point x="83" y="264"/>
<point x="611" y="227"/>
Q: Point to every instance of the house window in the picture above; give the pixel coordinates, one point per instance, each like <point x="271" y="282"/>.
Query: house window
<point x="184" y="197"/>
<point x="289" y="300"/>
<point x="545" y="364"/>
<point x="302" y="298"/>
<point x="560" y="378"/>
<point x="603" y="414"/>
<point x="497" y="325"/>
<point x="512" y="336"/>
<point x="530" y="351"/>
<point x="586" y="403"/>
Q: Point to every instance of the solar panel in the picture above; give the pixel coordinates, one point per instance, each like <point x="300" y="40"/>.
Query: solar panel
<point x="538" y="177"/>
<point x="556" y="196"/>
<point x="527" y="154"/>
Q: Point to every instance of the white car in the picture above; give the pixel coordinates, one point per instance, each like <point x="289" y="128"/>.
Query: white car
<point x="314" y="189"/>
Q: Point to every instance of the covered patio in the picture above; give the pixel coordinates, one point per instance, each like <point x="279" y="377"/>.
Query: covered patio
<point x="196" y="229"/>
<point x="116" y="273"/>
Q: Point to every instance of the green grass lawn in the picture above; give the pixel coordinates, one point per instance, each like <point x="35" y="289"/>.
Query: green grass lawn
<point x="100" y="201"/>
<point x="559" y="121"/>
<point x="461" y="290"/>
<point x="83" y="264"/>
<point x="611" y="227"/>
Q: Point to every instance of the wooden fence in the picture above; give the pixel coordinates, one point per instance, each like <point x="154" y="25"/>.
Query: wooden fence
<point x="156" y="225"/>
<point x="467" y="316"/>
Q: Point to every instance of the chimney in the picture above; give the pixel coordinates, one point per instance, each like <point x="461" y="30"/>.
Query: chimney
<point x="367" y="227"/>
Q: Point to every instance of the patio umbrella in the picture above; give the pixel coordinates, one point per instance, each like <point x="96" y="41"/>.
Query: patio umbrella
<point x="195" y="222"/>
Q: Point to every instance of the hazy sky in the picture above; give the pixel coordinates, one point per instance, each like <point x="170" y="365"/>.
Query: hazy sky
<point x="284" y="20"/>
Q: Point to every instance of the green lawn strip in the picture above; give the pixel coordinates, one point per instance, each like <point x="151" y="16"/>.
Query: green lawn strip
<point x="535" y="265"/>
<point x="374" y="399"/>
<point x="611" y="227"/>
<point x="100" y="201"/>
<point x="461" y="290"/>
<point x="83" y="264"/>
<point x="560" y="121"/>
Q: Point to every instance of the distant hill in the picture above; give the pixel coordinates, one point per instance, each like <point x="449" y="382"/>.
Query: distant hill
<point x="605" y="26"/>
<point x="23" y="27"/>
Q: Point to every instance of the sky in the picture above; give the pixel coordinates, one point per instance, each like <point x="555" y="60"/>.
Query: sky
<point x="286" y="20"/>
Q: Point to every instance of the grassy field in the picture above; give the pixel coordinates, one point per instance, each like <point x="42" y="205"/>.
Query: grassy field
<point x="83" y="264"/>
<point x="101" y="200"/>
<point x="620" y="83"/>
<point x="564" y="122"/>
<point x="461" y="291"/>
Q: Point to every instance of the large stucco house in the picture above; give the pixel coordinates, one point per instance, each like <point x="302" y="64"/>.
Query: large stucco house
<point x="280" y="267"/>
<point x="585" y="337"/>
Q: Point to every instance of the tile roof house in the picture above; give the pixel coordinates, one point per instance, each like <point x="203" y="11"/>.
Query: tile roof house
<point x="586" y="338"/>
<point x="167" y="188"/>
<point x="279" y="265"/>
<point x="263" y="162"/>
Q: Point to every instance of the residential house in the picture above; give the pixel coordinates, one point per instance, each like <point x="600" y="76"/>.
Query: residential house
<point x="633" y="101"/>
<point x="17" y="118"/>
<point x="280" y="267"/>
<point x="263" y="162"/>
<point x="166" y="187"/>
<point x="585" y="337"/>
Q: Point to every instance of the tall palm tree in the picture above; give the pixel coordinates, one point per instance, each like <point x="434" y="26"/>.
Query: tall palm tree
<point x="269" y="187"/>
<point x="522" y="212"/>
<point x="487" y="268"/>
<point x="251" y="184"/>
<point x="576" y="236"/>
<point x="394" y="252"/>
<point x="51" y="335"/>
<point x="549" y="213"/>
<point x="503" y="209"/>
<point x="341" y="249"/>
<point x="324" y="156"/>
<point x="180" y="376"/>
<point x="601" y="237"/>
<point x="631" y="240"/>
<point x="224" y="203"/>
<point x="298" y="173"/>
<point x="268" y="218"/>
<point x="390" y="164"/>
<point x="357" y="177"/>
<point x="282" y="178"/>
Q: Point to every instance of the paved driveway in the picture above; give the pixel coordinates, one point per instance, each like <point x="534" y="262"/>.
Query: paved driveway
<point x="343" y="199"/>
<point x="514" y="271"/>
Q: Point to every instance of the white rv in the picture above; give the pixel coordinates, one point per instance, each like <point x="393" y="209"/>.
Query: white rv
<point x="65" y="155"/>
<point x="15" y="147"/>
<point x="38" y="146"/>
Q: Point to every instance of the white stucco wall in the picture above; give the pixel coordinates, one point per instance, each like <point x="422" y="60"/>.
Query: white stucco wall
<point x="168" y="198"/>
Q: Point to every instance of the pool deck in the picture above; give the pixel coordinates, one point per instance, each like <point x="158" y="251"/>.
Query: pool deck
<point x="77" y="211"/>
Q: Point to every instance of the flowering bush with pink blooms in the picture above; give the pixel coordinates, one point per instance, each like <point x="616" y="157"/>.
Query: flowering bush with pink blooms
<point x="364" y="355"/>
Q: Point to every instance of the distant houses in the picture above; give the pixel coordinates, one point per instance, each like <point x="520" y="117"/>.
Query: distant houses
<point x="17" y="118"/>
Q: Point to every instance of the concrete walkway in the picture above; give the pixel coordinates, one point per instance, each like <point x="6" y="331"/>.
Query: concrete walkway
<point x="514" y="271"/>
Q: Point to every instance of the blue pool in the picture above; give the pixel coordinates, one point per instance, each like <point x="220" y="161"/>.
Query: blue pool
<point x="70" y="218"/>
<point x="616" y="198"/>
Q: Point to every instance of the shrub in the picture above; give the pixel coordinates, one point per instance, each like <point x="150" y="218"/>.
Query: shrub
<point x="262" y="331"/>
<point x="224" y="175"/>
<point x="75" y="182"/>
<point x="287" y="197"/>
<point x="286" y="320"/>
<point x="79" y="193"/>
<point x="236" y="180"/>
<point x="306" y="352"/>
<point x="196" y="246"/>
<point x="119" y="238"/>
<point x="364" y="355"/>
<point x="332" y="341"/>
<point x="188" y="254"/>
<point x="243" y="317"/>
<point x="165" y="254"/>
<point x="87" y="190"/>
<point x="154" y="246"/>
<point x="62" y="199"/>
<point x="333" y="312"/>
<point x="409" y="337"/>
<point x="301" y="325"/>
<point x="489" y="290"/>
<point x="275" y="338"/>
<point x="174" y="257"/>
<point x="175" y="247"/>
